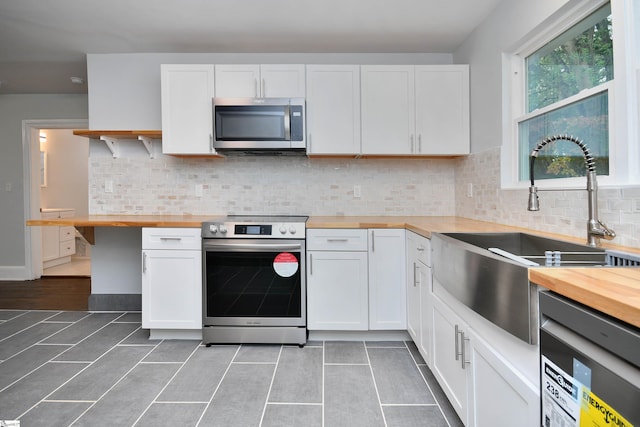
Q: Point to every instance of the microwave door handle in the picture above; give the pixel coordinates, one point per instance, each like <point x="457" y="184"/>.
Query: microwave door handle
<point x="287" y="123"/>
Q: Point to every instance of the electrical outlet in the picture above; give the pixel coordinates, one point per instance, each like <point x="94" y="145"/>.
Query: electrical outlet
<point x="199" y="190"/>
<point x="108" y="186"/>
<point x="357" y="191"/>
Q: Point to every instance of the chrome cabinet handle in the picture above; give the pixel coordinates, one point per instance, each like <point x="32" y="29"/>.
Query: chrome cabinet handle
<point x="211" y="143"/>
<point x="457" y="346"/>
<point x="412" y="144"/>
<point x="337" y="239"/>
<point x="310" y="264"/>
<point x="264" y="88"/>
<point x="414" y="274"/>
<point x="463" y="357"/>
<point x="165" y="239"/>
<point x="255" y="87"/>
<point x="373" y="241"/>
<point x="420" y="249"/>
<point x="144" y="262"/>
<point x="419" y="143"/>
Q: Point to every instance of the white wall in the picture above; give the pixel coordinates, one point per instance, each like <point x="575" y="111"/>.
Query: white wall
<point x="563" y="212"/>
<point x="13" y="110"/>
<point x="67" y="170"/>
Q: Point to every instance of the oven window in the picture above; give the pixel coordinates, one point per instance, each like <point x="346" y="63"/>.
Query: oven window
<point x="245" y="284"/>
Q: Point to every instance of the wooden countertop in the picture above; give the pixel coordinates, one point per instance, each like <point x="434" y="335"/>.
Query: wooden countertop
<point x="614" y="291"/>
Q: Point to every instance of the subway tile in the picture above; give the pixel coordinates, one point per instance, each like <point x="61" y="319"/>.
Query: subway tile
<point x="130" y="397"/>
<point x="22" y="340"/>
<point x="240" y="400"/>
<point x="22" y="322"/>
<point x="82" y="329"/>
<point x="298" y="377"/>
<point x="397" y="377"/>
<point x="350" y="397"/>
<point x="282" y="415"/>
<point x="345" y="352"/>
<point x="101" y="375"/>
<point x="24" y="394"/>
<point x="199" y="377"/>
<point x="172" y="351"/>
<point x="172" y="414"/>
<point x="54" y="413"/>
<point x="30" y="359"/>
<point x="97" y="344"/>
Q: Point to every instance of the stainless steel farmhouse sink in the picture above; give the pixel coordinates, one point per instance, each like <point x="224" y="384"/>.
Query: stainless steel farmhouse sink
<point x="488" y="272"/>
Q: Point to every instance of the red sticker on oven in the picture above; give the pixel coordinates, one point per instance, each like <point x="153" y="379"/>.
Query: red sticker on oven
<point x="285" y="264"/>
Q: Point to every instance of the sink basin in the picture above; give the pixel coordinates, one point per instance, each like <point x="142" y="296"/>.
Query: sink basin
<point x="489" y="273"/>
<point x="535" y="249"/>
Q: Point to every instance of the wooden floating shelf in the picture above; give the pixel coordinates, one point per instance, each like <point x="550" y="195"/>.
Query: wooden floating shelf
<point x="111" y="138"/>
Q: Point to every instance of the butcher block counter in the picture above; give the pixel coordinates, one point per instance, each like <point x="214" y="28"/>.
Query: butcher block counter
<point x="611" y="290"/>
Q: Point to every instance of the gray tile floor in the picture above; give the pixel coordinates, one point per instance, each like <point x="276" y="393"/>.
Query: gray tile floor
<point x="87" y="369"/>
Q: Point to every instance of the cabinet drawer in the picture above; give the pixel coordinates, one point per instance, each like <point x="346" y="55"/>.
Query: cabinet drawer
<point x="171" y="238"/>
<point x="67" y="233"/>
<point x="67" y="248"/>
<point x="324" y="239"/>
<point x="423" y="250"/>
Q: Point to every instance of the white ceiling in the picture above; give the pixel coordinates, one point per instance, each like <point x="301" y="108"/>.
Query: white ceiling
<point x="44" y="42"/>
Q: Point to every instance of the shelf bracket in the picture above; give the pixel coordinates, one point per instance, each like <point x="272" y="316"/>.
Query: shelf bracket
<point x="112" y="145"/>
<point x="148" y="144"/>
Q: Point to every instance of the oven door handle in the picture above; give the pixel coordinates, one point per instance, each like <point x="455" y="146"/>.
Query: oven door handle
<point x="255" y="247"/>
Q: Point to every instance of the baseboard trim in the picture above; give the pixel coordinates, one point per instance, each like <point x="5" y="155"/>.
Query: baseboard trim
<point x="13" y="273"/>
<point x="115" y="302"/>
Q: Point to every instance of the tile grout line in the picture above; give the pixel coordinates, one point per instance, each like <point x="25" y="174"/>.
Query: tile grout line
<point x="435" y="399"/>
<point x="29" y="327"/>
<point x="168" y="382"/>
<point x="218" y="386"/>
<point x="375" y="384"/>
<point x="273" y="377"/>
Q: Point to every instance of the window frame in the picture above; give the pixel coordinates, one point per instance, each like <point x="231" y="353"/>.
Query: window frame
<point x="623" y="106"/>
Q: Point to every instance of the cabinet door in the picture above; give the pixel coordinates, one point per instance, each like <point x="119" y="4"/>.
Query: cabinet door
<point x="426" y="328"/>
<point x="387" y="280"/>
<point x="388" y="110"/>
<point x="447" y="356"/>
<point x="337" y="292"/>
<point x="187" y="112"/>
<point x="333" y="109"/>
<point x="442" y="109"/>
<point x="282" y="81"/>
<point x="50" y="243"/>
<point x="238" y="81"/>
<point x="500" y="396"/>
<point x="171" y="289"/>
<point x="413" y="289"/>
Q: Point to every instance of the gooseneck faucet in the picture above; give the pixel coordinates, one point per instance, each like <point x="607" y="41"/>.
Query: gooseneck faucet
<point x="596" y="229"/>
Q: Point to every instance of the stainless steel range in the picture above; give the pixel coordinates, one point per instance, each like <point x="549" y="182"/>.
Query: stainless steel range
<point x="254" y="280"/>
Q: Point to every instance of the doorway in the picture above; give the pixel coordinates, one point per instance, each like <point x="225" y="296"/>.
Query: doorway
<point x="56" y="176"/>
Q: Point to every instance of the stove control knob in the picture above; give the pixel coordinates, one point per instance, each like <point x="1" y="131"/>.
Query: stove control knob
<point x="292" y="230"/>
<point x="223" y="228"/>
<point x="283" y="229"/>
<point x="213" y="228"/>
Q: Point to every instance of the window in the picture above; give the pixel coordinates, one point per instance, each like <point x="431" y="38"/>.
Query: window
<point x="568" y="85"/>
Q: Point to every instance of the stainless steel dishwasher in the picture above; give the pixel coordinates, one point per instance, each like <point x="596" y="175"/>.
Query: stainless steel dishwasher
<point x="590" y="366"/>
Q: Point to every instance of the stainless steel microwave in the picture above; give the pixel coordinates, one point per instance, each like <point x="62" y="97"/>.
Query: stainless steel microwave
<point x="259" y="124"/>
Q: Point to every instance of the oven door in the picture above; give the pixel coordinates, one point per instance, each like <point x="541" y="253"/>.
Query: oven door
<point x="254" y="282"/>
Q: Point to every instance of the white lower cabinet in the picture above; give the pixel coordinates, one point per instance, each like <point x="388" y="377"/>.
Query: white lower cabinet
<point x="337" y="280"/>
<point x="171" y="279"/>
<point x="419" y="292"/>
<point x="482" y="384"/>
<point x="356" y="279"/>
<point x="58" y="242"/>
<point x="387" y="279"/>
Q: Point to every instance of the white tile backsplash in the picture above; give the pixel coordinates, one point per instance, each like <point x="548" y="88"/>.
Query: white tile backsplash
<point x="298" y="185"/>
<point x="268" y="185"/>
<point x="563" y="212"/>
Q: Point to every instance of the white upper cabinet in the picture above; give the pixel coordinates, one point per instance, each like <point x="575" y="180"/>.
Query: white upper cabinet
<point x="442" y="109"/>
<point x="420" y="110"/>
<point x="187" y="121"/>
<point x="388" y="109"/>
<point x="333" y="109"/>
<point x="267" y="80"/>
